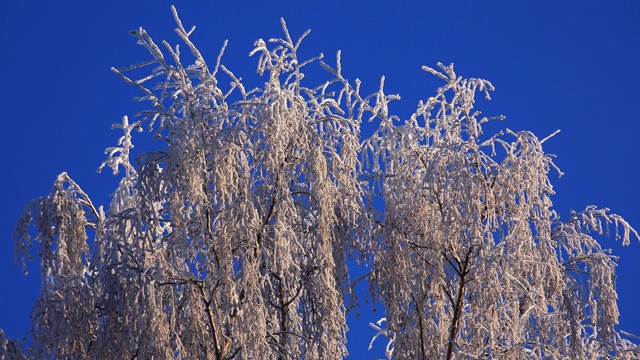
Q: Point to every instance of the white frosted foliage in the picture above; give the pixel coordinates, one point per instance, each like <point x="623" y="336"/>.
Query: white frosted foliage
<point x="234" y="240"/>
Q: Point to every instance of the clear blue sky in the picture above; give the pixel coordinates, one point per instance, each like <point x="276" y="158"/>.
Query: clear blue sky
<point x="570" y="65"/>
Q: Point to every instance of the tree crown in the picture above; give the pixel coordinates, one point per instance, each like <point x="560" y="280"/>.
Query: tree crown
<point x="235" y="240"/>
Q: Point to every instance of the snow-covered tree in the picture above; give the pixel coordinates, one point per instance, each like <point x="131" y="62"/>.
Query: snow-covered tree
<point x="234" y="241"/>
<point x="470" y="259"/>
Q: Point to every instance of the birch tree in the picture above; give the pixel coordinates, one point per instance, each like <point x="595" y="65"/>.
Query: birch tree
<point x="470" y="259"/>
<point x="235" y="240"/>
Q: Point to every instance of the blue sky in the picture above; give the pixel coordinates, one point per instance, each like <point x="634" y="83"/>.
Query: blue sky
<point x="571" y="65"/>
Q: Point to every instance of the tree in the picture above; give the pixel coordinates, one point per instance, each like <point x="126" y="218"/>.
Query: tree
<point x="235" y="239"/>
